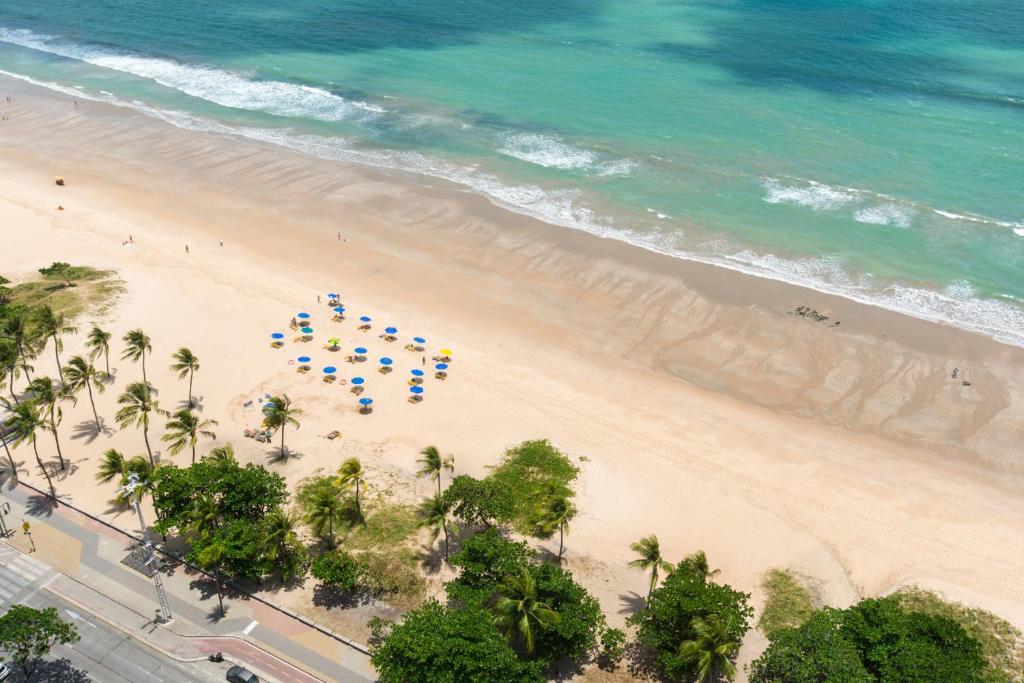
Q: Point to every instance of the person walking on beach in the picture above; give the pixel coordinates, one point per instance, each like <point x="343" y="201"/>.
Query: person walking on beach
<point x="186" y="249"/>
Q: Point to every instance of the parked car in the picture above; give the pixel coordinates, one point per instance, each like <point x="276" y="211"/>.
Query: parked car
<point x="238" y="674"/>
<point x="5" y="671"/>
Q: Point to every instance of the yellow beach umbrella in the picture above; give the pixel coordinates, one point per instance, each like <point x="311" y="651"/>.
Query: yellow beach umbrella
<point x="446" y="352"/>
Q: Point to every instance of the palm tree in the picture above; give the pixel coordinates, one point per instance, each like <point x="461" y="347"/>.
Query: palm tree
<point x="225" y="453"/>
<point x="51" y="324"/>
<point x="712" y="650"/>
<point x="18" y="325"/>
<point x="205" y="515"/>
<point x="185" y="364"/>
<point x="278" y="530"/>
<point x="325" y="509"/>
<point x="10" y="364"/>
<point x="352" y="472"/>
<point x="210" y="558"/>
<point x="432" y="464"/>
<point x="185" y="429"/>
<point x="82" y="373"/>
<point x="698" y="564"/>
<point x="136" y="344"/>
<point x="48" y="397"/>
<point x="114" y="465"/>
<point x="98" y="343"/>
<point x="22" y="424"/>
<point x="9" y="407"/>
<point x="278" y="414"/>
<point x="137" y="403"/>
<point x="517" y="611"/>
<point x="555" y="513"/>
<point x="434" y="513"/>
<point x="650" y="559"/>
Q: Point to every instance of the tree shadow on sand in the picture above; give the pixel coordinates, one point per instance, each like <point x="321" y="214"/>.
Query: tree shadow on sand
<point x="9" y="478"/>
<point x="196" y="406"/>
<point x="632" y="602"/>
<point x="275" y="456"/>
<point x="87" y="430"/>
<point x="329" y="598"/>
<point x="39" y="505"/>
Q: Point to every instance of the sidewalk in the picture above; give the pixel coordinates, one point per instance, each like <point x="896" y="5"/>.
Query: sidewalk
<point x="88" y="553"/>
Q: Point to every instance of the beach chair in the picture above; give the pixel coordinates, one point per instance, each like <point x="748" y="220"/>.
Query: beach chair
<point x="276" y="344"/>
<point x="364" y="327"/>
<point x="357" y="390"/>
<point x="440" y="374"/>
<point x="384" y="369"/>
<point x="303" y="369"/>
<point x="329" y="378"/>
<point x="415" y="398"/>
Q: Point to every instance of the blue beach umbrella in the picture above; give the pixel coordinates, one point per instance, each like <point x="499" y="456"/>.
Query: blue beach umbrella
<point x="339" y="309"/>
<point x="302" y="316"/>
<point x="419" y="340"/>
<point x="417" y="372"/>
<point x="277" y="335"/>
<point x="391" y="330"/>
<point x="268" y="405"/>
<point x="330" y="370"/>
<point x="365" y="401"/>
<point x="386" y="361"/>
<point x="441" y="366"/>
<point x="357" y="380"/>
<point x="307" y="330"/>
<point x="416" y="390"/>
<point x="304" y="359"/>
<point x="366" y="319"/>
<point x="360" y="350"/>
<point x="332" y="296"/>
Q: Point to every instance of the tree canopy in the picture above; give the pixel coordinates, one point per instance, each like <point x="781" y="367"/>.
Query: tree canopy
<point x="27" y="634"/>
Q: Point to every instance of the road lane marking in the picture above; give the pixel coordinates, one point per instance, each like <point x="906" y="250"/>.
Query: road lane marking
<point x="250" y="627"/>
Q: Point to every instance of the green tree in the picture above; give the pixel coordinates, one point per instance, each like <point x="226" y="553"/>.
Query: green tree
<point x="712" y="650"/>
<point x="480" y="502"/>
<point x="698" y="564"/>
<point x="814" y="652"/>
<point x="136" y="345"/>
<point x="184" y="430"/>
<point x="27" y="634"/>
<point x="185" y="364"/>
<point x="48" y="397"/>
<point x="278" y="413"/>
<point x="434" y="513"/>
<point x="484" y="559"/>
<point x="211" y="558"/>
<point x="351" y="472"/>
<point x="337" y="569"/>
<point x="325" y="510"/>
<point x="10" y="364"/>
<point x="650" y="560"/>
<point x="4" y="435"/>
<point x="518" y="613"/>
<point x="80" y="374"/>
<point x="672" y="615"/>
<point x="53" y="325"/>
<point x="59" y="270"/>
<point x="555" y="513"/>
<point x="18" y="325"/>
<point x="531" y="472"/>
<point x="23" y="423"/>
<point x="98" y="343"/>
<point x="221" y="454"/>
<point x="113" y="465"/>
<point x="435" y="644"/>
<point x="137" y="403"/>
<point x="433" y="464"/>
<point x="282" y="545"/>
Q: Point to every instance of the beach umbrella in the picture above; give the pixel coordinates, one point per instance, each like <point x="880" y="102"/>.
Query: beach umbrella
<point x="339" y="309"/>
<point x="332" y="296"/>
<point x="386" y="361"/>
<point x="277" y="335"/>
<point x="302" y="316"/>
<point x="419" y="340"/>
<point x="365" y="319"/>
<point x="391" y="330"/>
<point x="416" y="390"/>
<point x="307" y="330"/>
<point x="304" y="359"/>
<point x="357" y="380"/>
<point x="333" y="341"/>
<point x="441" y="366"/>
<point x="446" y="352"/>
<point x="360" y="350"/>
<point x="417" y="372"/>
<point x="330" y="370"/>
<point x="365" y="401"/>
<point x="269" y="404"/>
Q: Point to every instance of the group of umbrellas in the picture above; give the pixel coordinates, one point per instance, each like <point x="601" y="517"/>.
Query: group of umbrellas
<point x="415" y="384"/>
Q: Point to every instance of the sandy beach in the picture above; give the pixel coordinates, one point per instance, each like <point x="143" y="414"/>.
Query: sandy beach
<point x="706" y="412"/>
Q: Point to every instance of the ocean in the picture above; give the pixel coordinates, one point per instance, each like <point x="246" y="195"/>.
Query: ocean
<point x="864" y="148"/>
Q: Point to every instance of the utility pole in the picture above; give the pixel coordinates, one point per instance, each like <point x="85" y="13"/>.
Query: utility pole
<point x="151" y="559"/>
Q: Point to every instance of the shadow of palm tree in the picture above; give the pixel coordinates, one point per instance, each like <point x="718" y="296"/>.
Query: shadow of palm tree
<point x="196" y="406"/>
<point x="215" y="615"/>
<point x="39" y="505"/>
<point x="9" y="478"/>
<point x="87" y="430"/>
<point x="632" y="602"/>
<point x="328" y="597"/>
<point x="275" y="456"/>
<point x="432" y="556"/>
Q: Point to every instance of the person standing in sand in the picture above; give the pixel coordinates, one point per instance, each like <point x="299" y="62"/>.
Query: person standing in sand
<point x="186" y="249"/>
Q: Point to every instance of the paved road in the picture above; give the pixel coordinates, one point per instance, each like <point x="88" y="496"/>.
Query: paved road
<point x="104" y="653"/>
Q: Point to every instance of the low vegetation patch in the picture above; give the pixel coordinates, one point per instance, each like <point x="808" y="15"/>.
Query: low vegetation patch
<point x="787" y="602"/>
<point x="388" y="524"/>
<point x="70" y="290"/>
<point x="532" y="472"/>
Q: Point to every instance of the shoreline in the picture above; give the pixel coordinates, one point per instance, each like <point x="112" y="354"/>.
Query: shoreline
<point x="839" y="452"/>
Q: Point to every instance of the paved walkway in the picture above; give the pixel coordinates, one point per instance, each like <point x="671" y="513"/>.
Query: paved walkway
<point x="88" y="554"/>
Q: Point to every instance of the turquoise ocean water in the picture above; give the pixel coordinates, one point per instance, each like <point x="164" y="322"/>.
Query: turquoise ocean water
<point x="869" y="148"/>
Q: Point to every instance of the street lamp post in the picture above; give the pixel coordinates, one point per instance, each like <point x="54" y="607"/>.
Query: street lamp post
<point x="151" y="559"/>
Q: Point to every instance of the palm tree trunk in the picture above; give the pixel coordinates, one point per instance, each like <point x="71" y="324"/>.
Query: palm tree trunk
<point x="654" y="582"/>
<point x="191" y="374"/>
<point x="88" y="385"/>
<point x="145" y="436"/>
<point x="561" y="540"/>
<point x="14" y="468"/>
<point x="193" y="453"/>
<point x="10" y="385"/>
<point x="24" y="361"/>
<point x="144" y="368"/>
<point x="53" y="428"/>
<point x="56" y="353"/>
<point x="106" y="358"/>
<point x="220" y="593"/>
<point x="53" y="491"/>
<point x="330" y="530"/>
<point x="444" y="527"/>
<point x="282" y="440"/>
<point x="359" y="509"/>
<point x="439" y="483"/>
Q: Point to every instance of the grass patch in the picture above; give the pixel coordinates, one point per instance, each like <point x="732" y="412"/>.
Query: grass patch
<point x="787" y="602"/>
<point x="394" y="576"/>
<point x="93" y="291"/>
<point x="1001" y="643"/>
<point x="533" y="471"/>
<point x="387" y="525"/>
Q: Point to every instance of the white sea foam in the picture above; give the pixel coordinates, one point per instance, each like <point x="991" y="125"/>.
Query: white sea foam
<point x="1019" y="232"/>
<point x="973" y="218"/>
<point x="886" y="214"/>
<point x="221" y="87"/>
<point x="546" y="150"/>
<point x="811" y="194"/>
<point x="958" y="305"/>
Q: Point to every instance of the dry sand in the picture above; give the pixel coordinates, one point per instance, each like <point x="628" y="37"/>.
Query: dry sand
<point x="705" y="414"/>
